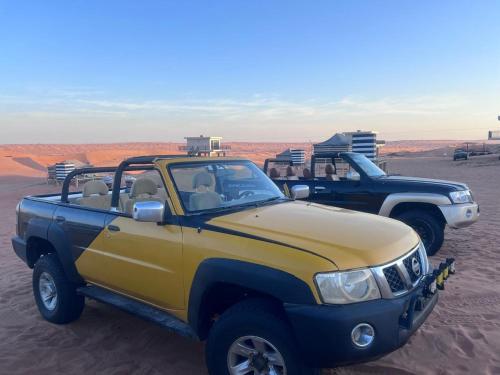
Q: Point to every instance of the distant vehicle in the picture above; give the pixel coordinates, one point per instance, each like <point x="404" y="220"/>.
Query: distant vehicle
<point x="351" y="180"/>
<point x="460" y="154"/>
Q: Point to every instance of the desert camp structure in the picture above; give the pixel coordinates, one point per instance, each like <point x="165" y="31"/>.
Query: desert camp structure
<point x="494" y="135"/>
<point x="337" y="143"/>
<point x="361" y="142"/>
<point x="56" y="173"/>
<point x="205" y="146"/>
<point x="295" y="155"/>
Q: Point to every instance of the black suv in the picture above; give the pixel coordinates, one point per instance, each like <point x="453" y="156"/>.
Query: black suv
<point x="351" y="180"/>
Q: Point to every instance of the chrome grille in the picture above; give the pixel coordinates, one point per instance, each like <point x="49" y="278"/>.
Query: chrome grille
<point x="394" y="280"/>
<point x="408" y="265"/>
<point x="399" y="277"/>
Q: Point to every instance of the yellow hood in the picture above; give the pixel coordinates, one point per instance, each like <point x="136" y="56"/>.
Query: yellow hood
<point x="348" y="238"/>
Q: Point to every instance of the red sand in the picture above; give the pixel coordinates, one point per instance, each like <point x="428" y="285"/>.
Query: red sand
<point x="461" y="336"/>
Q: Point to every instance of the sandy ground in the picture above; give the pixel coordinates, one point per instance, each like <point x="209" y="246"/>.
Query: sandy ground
<point x="461" y="336"/>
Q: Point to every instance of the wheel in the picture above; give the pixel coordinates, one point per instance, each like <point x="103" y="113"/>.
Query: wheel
<point x="252" y="338"/>
<point x="429" y="228"/>
<point x="55" y="295"/>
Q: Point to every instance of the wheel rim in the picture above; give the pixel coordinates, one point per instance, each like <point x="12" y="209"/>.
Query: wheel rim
<point x="48" y="291"/>
<point x="255" y="355"/>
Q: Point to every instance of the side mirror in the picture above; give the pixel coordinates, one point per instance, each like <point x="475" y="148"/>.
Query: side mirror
<point x="300" y="192"/>
<point x="149" y="211"/>
<point x="352" y="176"/>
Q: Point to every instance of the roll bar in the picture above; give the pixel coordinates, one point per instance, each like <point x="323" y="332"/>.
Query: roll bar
<point x="141" y="161"/>
<point x="138" y="163"/>
<point x="76" y="172"/>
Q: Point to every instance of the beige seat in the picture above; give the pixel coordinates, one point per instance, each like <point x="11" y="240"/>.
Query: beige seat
<point x="273" y="173"/>
<point x="290" y="174"/>
<point x="203" y="199"/>
<point x="307" y="173"/>
<point x="330" y="173"/>
<point x="162" y="193"/>
<point x="95" y="195"/>
<point x="143" y="190"/>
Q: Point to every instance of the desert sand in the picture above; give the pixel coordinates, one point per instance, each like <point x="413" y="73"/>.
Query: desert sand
<point x="461" y="336"/>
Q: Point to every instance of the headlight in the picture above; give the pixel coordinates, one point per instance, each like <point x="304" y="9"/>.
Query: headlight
<point x="462" y="196"/>
<point x="347" y="287"/>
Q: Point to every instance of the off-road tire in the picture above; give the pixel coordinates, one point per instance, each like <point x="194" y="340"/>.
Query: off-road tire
<point x="253" y="317"/>
<point x="69" y="305"/>
<point x="429" y="228"/>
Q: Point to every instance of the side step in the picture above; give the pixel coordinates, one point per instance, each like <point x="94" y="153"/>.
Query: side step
<point x="139" y="309"/>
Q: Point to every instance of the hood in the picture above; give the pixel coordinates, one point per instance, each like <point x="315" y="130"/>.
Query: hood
<point x="425" y="182"/>
<point x="347" y="238"/>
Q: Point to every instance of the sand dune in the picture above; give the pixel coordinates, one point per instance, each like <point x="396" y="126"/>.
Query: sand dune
<point x="462" y="335"/>
<point x="37" y="157"/>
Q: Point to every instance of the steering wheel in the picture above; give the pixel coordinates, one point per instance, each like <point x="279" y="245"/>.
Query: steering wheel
<point x="245" y="194"/>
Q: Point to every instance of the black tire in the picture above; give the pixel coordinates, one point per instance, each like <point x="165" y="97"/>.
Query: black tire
<point x="253" y="317"/>
<point x="68" y="305"/>
<point x="429" y="228"/>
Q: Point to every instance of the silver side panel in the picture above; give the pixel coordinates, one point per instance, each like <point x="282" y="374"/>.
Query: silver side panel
<point x="460" y="215"/>
<point x="393" y="200"/>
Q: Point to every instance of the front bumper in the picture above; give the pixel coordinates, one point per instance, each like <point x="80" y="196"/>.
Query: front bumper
<point x="460" y="215"/>
<point x="323" y="332"/>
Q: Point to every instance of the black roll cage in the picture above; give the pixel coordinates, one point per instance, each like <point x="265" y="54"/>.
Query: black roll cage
<point x="139" y="163"/>
<point x="346" y="156"/>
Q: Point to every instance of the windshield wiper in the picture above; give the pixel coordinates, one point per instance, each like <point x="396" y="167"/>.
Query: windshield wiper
<point x="243" y="206"/>
<point x="269" y="200"/>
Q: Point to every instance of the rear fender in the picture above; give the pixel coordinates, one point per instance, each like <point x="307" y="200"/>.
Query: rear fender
<point x="62" y="244"/>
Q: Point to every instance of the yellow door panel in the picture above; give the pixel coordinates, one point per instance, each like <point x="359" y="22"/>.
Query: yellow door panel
<point x="142" y="260"/>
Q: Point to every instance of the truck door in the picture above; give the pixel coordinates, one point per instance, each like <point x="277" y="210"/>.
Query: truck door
<point x="139" y="259"/>
<point x="81" y="227"/>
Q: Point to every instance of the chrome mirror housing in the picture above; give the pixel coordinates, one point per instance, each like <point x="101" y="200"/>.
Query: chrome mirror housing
<point x="149" y="211"/>
<point x="300" y="192"/>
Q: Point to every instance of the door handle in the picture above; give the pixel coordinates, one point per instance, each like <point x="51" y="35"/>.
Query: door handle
<point x="319" y="188"/>
<point x="113" y="228"/>
<point x="60" y="219"/>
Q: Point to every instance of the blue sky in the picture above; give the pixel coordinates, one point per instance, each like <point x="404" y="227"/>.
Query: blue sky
<point x="105" y="71"/>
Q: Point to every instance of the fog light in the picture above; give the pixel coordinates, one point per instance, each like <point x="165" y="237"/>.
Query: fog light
<point x="363" y="335"/>
<point x="468" y="213"/>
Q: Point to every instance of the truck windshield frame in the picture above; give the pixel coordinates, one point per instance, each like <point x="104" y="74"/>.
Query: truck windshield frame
<point x="369" y="168"/>
<point x="235" y="184"/>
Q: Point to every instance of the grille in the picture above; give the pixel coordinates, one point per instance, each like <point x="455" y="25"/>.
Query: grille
<point x="393" y="278"/>
<point x="407" y="263"/>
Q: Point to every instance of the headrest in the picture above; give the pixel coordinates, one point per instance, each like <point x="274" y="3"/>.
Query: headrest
<point x="95" y="187"/>
<point x="306" y="173"/>
<point x="108" y="180"/>
<point x="143" y="186"/>
<point x="202" y="179"/>
<point x="155" y="177"/>
<point x="273" y="173"/>
<point x="329" y="169"/>
<point x="289" y="171"/>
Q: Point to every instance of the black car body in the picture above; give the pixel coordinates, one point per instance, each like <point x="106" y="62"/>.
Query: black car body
<point x="425" y="204"/>
<point x="460" y="155"/>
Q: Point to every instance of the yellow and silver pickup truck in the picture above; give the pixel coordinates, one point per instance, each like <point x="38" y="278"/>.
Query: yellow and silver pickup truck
<point x="210" y="248"/>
